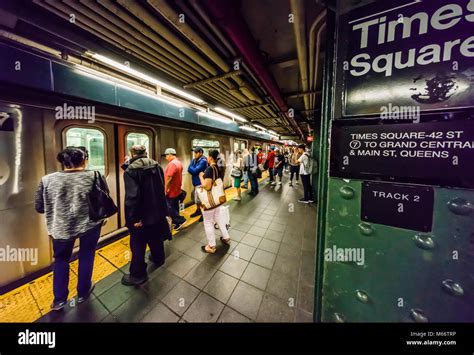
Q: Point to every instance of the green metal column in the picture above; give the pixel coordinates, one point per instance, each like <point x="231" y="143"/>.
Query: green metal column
<point x="323" y="159"/>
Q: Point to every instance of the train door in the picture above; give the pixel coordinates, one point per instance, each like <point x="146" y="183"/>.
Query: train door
<point x="127" y="136"/>
<point x="98" y="138"/>
<point x="240" y="144"/>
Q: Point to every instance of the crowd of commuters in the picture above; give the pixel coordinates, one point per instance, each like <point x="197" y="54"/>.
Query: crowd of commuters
<point x="152" y="204"/>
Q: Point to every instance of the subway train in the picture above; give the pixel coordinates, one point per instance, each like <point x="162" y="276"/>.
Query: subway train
<point x="29" y="151"/>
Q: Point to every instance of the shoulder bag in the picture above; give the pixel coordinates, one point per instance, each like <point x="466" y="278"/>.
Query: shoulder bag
<point x="214" y="197"/>
<point x="101" y="205"/>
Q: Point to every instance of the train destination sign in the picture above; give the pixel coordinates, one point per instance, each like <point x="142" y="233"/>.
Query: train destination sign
<point x="402" y="206"/>
<point x="422" y="49"/>
<point x="436" y="153"/>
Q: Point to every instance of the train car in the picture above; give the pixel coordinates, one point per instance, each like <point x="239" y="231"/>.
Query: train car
<point x="29" y="151"/>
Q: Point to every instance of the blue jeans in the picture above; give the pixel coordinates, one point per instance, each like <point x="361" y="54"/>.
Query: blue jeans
<point x="173" y="207"/>
<point x="62" y="255"/>
<point x="246" y="178"/>
<point x="253" y="182"/>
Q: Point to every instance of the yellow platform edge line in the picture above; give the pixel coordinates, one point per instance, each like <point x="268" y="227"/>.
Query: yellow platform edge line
<point x="31" y="301"/>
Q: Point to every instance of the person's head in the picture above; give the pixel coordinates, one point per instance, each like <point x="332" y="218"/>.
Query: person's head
<point x="238" y="153"/>
<point x="260" y="150"/>
<point x="137" y="150"/>
<point x="301" y="148"/>
<point x="170" y="154"/>
<point x="73" y="157"/>
<point x="198" y="152"/>
<point x="213" y="156"/>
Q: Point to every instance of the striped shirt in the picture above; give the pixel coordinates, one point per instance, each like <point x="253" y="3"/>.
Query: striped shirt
<point x="62" y="197"/>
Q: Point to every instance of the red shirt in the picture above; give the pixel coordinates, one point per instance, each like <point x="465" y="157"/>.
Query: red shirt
<point x="175" y="170"/>
<point x="259" y="158"/>
<point x="271" y="158"/>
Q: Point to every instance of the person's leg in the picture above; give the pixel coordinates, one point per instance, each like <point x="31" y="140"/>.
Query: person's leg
<point x="156" y="244"/>
<point x="304" y="179"/>
<point x="62" y="254"/>
<point x="173" y="206"/>
<point x="221" y="223"/>
<point x="310" y="189"/>
<point x="253" y="183"/>
<point x="209" y="227"/>
<point x="246" y="179"/>
<point x="87" y="248"/>
<point x="197" y="202"/>
<point x="270" y="172"/>
<point x="292" y="173"/>
<point x="280" y="174"/>
<point x="297" y="169"/>
<point x="138" y="249"/>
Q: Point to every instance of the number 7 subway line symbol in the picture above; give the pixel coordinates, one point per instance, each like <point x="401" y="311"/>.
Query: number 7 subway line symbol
<point x="3" y="117"/>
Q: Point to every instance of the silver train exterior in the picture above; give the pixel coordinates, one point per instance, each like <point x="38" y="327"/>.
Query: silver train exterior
<point x="29" y="144"/>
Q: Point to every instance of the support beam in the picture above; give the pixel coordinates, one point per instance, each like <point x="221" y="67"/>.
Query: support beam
<point x="213" y="79"/>
<point x="251" y="106"/>
<point x="302" y="94"/>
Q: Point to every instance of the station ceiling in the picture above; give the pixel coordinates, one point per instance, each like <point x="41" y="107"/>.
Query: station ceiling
<point x="261" y="59"/>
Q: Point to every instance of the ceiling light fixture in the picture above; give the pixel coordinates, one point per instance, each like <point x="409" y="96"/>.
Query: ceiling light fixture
<point x="230" y="114"/>
<point x="248" y="128"/>
<point x="214" y="117"/>
<point x="145" y="77"/>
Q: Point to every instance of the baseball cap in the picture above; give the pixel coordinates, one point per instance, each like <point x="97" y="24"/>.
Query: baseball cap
<point x="169" y="151"/>
<point x="197" y="149"/>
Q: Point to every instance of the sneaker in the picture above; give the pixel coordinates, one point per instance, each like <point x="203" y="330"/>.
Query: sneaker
<point x="273" y="183"/>
<point x="178" y="226"/>
<point x="197" y="213"/>
<point x="58" y="306"/>
<point x="81" y="299"/>
<point x="302" y="200"/>
<point x="297" y="183"/>
<point x="128" y="280"/>
<point x="310" y="201"/>
<point x="237" y="198"/>
<point x="279" y="182"/>
<point x="291" y="184"/>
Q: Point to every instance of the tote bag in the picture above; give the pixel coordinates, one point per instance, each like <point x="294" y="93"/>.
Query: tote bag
<point x="215" y="196"/>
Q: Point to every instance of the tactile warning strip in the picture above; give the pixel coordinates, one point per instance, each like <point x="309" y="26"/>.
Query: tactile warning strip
<point x="31" y="301"/>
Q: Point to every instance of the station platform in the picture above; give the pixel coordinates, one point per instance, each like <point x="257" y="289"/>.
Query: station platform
<point x="266" y="275"/>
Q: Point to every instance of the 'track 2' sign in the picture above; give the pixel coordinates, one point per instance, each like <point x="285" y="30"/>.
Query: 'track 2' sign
<point x="408" y="53"/>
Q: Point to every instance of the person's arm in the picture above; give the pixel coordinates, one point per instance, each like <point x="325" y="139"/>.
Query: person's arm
<point x="39" y="200"/>
<point x="168" y="181"/>
<point x="132" y="198"/>
<point x="202" y="165"/>
<point x="205" y="182"/>
<point x="192" y="168"/>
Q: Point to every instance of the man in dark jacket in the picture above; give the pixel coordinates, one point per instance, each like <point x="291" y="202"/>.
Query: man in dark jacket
<point x="198" y="165"/>
<point x="145" y="213"/>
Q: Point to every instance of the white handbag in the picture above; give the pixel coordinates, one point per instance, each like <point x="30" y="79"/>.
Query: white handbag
<point x="215" y="196"/>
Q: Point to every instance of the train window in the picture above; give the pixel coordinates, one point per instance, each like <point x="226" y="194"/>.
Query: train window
<point x="94" y="141"/>
<point x="138" y="138"/>
<point x="206" y="145"/>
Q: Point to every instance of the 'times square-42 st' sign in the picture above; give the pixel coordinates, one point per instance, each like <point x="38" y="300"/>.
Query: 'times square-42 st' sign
<point x="418" y="53"/>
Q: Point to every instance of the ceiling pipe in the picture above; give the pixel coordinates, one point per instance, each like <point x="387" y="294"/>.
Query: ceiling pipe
<point x="228" y="17"/>
<point x="314" y="57"/>
<point x="299" y="29"/>
<point x="317" y="57"/>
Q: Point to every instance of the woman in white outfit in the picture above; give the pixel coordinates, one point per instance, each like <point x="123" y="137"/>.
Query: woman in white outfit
<point x="212" y="216"/>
